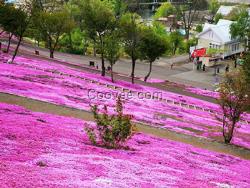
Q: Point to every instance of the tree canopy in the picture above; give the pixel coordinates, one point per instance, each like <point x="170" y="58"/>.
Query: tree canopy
<point x="164" y="10"/>
<point x="152" y="46"/>
<point x="52" y="26"/>
<point x="130" y="30"/>
<point x="241" y="28"/>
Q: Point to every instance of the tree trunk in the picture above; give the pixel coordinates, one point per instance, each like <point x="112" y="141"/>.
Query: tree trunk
<point x="187" y="33"/>
<point x="111" y="72"/>
<point x="174" y="50"/>
<point x="52" y="49"/>
<point x="8" y="47"/>
<point x="133" y="71"/>
<point x="228" y="132"/>
<point x="102" y="56"/>
<point x="245" y="45"/>
<point x="70" y="42"/>
<point x="149" y="72"/>
<point x="16" y="50"/>
<point x="51" y="53"/>
<point x="94" y="49"/>
<point x="103" y="66"/>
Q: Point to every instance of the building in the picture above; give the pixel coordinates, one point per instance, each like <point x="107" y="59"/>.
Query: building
<point x="170" y="22"/>
<point x="44" y="4"/>
<point x="225" y="10"/>
<point x="236" y="1"/>
<point x="218" y="37"/>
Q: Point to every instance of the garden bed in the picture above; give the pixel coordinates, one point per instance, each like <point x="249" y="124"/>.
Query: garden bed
<point x="43" y="150"/>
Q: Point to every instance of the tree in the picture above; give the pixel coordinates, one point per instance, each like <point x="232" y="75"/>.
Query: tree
<point x="176" y="41"/>
<point x="152" y="46"/>
<point x="98" y="19"/>
<point x="111" y="131"/>
<point x="2" y="2"/>
<point x="241" y="28"/>
<point x="130" y="27"/>
<point x="52" y="26"/>
<point x="76" y="42"/>
<point x="160" y="29"/>
<point x="246" y="71"/>
<point x="233" y="102"/>
<point x="246" y="68"/>
<point x="164" y="10"/>
<point x="15" y="21"/>
<point x="73" y="11"/>
<point x="213" y="7"/>
<point x="7" y="21"/>
<point x="133" y="6"/>
<point x="112" y="49"/>
<point x="188" y="12"/>
<point x="118" y="6"/>
<point x="22" y="21"/>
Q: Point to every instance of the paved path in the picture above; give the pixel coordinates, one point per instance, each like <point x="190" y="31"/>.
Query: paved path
<point x="182" y="71"/>
<point x="160" y="69"/>
<point x="166" y="86"/>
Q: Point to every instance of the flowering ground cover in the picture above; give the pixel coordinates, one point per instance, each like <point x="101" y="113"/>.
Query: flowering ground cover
<point x="58" y="84"/>
<point x="43" y="150"/>
<point x="204" y="92"/>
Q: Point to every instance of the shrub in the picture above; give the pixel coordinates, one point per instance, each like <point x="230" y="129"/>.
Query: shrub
<point x="199" y="28"/>
<point x="110" y="131"/>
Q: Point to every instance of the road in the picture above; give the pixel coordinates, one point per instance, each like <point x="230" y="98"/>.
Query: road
<point x="161" y="68"/>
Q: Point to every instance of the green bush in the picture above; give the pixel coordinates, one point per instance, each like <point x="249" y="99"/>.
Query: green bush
<point x="111" y="131"/>
<point x="74" y="43"/>
<point x="217" y="17"/>
<point x="199" y="28"/>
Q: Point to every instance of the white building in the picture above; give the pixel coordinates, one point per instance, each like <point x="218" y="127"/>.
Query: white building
<point x="235" y="1"/>
<point x="225" y="10"/>
<point x="218" y="37"/>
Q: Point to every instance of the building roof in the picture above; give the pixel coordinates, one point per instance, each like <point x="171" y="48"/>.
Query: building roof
<point x="221" y="30"/>
<point x="235" y="1"/>
<point x="225" y="10"/>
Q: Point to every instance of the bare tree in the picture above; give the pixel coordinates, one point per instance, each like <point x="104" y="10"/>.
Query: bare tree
<point x="188" y="11"/>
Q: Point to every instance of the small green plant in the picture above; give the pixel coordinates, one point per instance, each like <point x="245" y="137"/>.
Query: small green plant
<point x="110" y="131"/>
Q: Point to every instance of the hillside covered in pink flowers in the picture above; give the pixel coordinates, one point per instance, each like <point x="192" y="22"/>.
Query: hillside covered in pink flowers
<point x="43" y="150"/>
<point x="62" y="85"/>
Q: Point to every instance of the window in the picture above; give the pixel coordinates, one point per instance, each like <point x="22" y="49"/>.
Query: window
<point x="215" y="46"/>
<point x="235" y="47"/>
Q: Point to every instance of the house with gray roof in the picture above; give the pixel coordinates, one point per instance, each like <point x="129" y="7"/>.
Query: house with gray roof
<point x="247" y="2"/>
<point x="225" y="10"/>
<point x="218" y="37"/>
